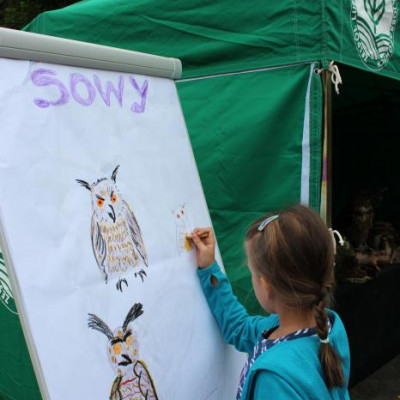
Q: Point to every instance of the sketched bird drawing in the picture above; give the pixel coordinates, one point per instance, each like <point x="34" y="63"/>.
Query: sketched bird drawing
<point x="181" y="229"/>
<point x="133" y="380"/>
<point x="116" y="236"/>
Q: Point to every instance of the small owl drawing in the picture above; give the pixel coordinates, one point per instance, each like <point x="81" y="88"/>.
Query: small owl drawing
<point x="116" y="236"/>
<point x="182" y="229"/>
<point x="133" y="380"/>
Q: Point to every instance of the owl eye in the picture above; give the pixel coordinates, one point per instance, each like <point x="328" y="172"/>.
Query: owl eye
<point x="183" y="212"/>
<point x="100" y="202"/>
<point x="117" y="348"/>
<point x="114" y="198"/>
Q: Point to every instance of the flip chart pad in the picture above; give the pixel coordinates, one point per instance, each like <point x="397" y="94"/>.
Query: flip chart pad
<point x="98" y="187"/>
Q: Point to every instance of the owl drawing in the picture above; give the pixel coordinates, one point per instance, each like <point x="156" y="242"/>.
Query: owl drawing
<point x="133" y="380"/>
<point x="182" y="229"/>
<point x="116" y="236"/>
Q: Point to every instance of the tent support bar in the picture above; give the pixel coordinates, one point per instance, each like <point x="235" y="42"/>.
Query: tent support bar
<point x="326" y="184"/>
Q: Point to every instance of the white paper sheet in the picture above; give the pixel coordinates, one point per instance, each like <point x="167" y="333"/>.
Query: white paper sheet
<point x="59" y="125"/>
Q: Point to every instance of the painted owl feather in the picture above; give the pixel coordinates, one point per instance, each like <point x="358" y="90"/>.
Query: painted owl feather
<point x="136" y="233"/>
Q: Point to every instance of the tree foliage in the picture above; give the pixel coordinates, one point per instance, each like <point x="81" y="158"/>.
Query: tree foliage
<point x="17" y="13"/>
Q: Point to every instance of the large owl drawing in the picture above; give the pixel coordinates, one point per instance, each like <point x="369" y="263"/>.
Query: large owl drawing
<point x="133" y="380"/>
<point x="116" y="236"/>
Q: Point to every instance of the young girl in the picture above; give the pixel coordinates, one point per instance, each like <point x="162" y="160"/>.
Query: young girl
<point x="301" y="350"/>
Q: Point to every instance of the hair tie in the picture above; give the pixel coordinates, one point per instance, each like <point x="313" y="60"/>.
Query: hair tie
<point x="325" y="341"/>
<point x="267" y="221"/>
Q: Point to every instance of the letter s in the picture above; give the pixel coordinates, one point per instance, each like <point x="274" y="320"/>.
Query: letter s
<point x="40" y="78"/>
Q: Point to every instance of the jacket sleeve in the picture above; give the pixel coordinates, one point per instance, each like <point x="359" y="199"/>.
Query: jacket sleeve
<point x="238" y="328"/>
<point x="268" y="385"/>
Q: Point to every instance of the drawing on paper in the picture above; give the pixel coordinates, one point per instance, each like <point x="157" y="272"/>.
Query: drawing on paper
<point x="133" y="380"/>
<point x="182" y="228"/>
<point x="116" y="236"/>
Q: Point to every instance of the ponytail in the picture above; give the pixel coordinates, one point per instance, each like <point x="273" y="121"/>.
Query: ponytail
<point x="330" y="360"/>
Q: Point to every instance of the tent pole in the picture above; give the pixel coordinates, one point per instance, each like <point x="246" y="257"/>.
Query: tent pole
<point x="326" y="184"/>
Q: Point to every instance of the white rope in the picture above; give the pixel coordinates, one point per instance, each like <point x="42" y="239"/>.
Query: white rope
<point x="339" y="236"/>
<point x="335" y="77"/>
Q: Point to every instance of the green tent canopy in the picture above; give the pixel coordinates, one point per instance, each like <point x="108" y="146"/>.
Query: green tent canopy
<point x="251" y="96"/>
<point x="214" y="37"/>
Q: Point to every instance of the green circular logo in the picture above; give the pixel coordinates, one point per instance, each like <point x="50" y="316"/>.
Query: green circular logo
<point x="6" y="295"/>
<point x="373" y="24"/>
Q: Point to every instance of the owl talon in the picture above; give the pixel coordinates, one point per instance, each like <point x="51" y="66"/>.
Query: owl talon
<point x="119" y="284"/>
<point x="140" y="273"/>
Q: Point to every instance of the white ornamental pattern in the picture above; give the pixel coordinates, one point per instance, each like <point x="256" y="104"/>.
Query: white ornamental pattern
<point x="373" y="24"/>
<point x="6" y="295"/>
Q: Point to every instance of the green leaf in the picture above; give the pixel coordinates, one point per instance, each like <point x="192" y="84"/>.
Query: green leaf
<point x="375" y="10"/>
<point x="379" y="11"/>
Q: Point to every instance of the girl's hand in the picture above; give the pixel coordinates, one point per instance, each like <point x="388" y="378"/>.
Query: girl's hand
<point x="205" y="248"/>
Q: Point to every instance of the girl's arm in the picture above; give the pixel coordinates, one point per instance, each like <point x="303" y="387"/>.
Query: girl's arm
<point x="237" y="327"/>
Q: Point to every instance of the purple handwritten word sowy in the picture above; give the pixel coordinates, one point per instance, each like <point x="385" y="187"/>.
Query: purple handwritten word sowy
<point x="83" y="91"/>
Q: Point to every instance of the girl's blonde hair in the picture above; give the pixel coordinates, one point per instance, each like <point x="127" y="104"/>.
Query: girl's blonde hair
<point x="294" y="252"/>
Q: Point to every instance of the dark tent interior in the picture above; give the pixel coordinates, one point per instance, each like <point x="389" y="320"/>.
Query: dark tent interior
<point x="366" y="202"/>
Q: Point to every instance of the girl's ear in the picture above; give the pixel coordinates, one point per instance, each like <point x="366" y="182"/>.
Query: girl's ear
<point x="266" y="285"/>
<point x="264" y="282"/>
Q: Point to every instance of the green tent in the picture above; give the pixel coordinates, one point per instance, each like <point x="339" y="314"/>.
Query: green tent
<point x="251" y="96"/>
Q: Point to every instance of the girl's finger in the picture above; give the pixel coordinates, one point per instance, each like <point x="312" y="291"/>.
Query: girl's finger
<point x="198" y="242"/>
<point x="198" y="231"/>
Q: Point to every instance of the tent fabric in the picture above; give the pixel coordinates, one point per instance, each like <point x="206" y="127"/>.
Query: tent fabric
<point x="248" y="142"/>
<point x="208" y="36"/>
<point x="356" y="31"/>
<point x="227" y="36"/>
<point x="17" y="380"/>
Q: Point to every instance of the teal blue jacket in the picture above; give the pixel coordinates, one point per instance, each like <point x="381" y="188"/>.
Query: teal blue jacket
<point x="288" y="370"/>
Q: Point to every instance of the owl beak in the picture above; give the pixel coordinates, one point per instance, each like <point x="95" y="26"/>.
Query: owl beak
<point x="112" y="213"/>
<point x="127" y="360"/>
